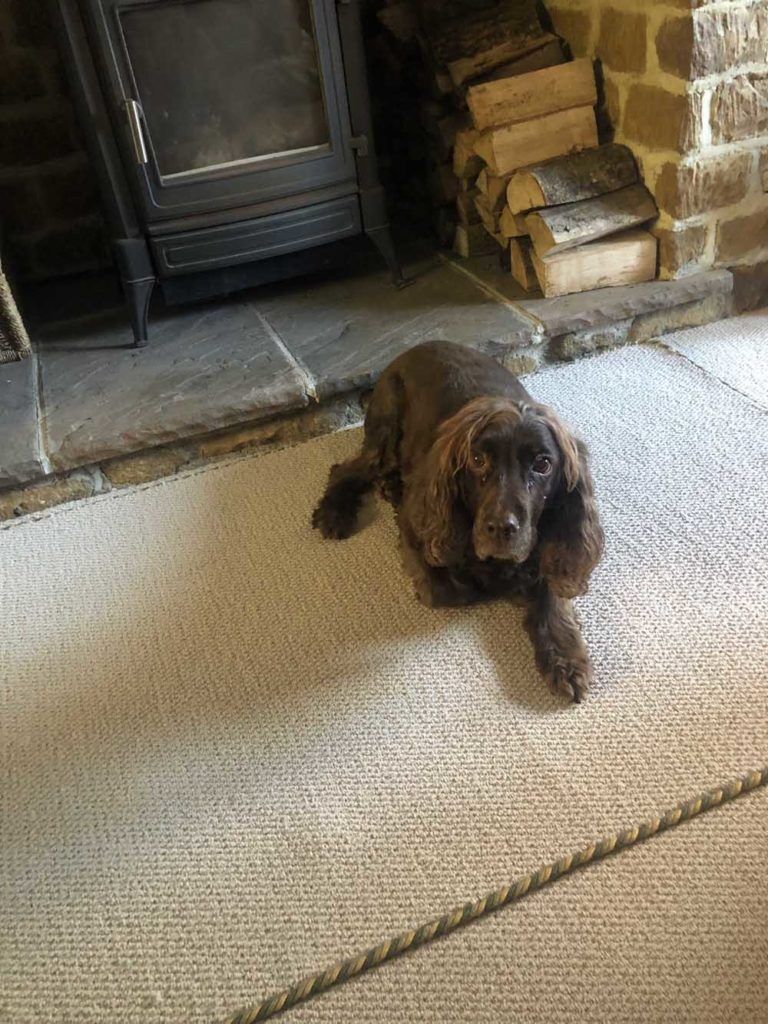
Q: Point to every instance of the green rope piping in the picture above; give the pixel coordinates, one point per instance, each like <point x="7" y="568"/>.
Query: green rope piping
<point x="469" y="912"/>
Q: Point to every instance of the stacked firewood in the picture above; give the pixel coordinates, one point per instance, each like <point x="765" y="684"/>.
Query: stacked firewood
<point x="514" y="151"/>
<point x="569" y="209"/>
<point x="441" y="48"/>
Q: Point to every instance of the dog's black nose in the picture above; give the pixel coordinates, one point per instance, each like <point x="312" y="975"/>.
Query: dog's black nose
<point x="505" y="526"/>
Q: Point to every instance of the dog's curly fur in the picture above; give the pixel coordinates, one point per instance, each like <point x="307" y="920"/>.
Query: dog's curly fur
<point x="453" y="440"/>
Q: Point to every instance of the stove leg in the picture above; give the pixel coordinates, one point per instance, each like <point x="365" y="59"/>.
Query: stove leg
<point x="382" y="239"/>
<point x="138" y="295"/>
<point x="138" y="279"/>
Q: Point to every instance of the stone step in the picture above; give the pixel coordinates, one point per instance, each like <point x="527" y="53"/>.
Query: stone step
<point x="288" y="354"/>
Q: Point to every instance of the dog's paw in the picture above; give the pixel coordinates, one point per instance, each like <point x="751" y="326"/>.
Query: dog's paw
<point x="334" y="523"/>
<point x="571" y="679"/>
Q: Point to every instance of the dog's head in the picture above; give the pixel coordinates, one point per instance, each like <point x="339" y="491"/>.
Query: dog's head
<point x="515" y="481"/>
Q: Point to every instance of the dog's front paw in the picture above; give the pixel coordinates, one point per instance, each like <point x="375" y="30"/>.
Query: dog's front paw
<point x="333" y="522"/>
<point x="571" y="678"/>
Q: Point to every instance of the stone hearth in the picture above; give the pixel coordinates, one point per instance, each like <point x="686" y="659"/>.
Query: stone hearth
<point x="276" y="364"/>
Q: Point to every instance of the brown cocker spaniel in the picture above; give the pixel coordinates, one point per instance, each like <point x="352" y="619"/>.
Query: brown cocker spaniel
<point x="494" y="496"/>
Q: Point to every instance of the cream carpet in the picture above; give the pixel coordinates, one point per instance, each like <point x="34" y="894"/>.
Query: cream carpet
<point x="735" y="351"/>
<point x="232" y="752"/>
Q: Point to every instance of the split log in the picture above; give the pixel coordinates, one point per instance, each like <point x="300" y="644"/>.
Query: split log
<point x="466" y="162"/>
<point x="489" y="217"/>
<point x="469" y="39"/>
<point x="521" y="264"/>
<point x="512" y="225"/>
<point x="466" y="209"/>
<point x="547" y="56"/>
<point x="628" y="258"/>
<point x="510" y="100"/>
<point x="494" y="55"/>
<point x="564" y="227"/>
<point x="573" y="178"/>
<point x="494" y="188"/>
<point x="530" y="142"/>
<point x="473" y="240"/>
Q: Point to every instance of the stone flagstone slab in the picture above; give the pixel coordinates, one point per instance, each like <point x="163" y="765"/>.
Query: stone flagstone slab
<point x="346" y="330"/>
<point x="206" y="367"/>
<point x="20" y="455"/>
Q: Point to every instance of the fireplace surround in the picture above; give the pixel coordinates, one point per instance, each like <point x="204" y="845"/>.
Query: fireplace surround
<point x="231" y="139"/>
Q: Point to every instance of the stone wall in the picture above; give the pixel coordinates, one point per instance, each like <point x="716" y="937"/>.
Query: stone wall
<point x="49" y="211"/>
<point x="686" y="86"/>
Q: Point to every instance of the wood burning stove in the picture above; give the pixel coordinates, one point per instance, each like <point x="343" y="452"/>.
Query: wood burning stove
<point x="231" y="138"/>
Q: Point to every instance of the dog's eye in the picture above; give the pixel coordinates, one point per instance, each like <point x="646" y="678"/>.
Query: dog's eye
<point x="542" y="465"/>
<point x="478" y="460"/>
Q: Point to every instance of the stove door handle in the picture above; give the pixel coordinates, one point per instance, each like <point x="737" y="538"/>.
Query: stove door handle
<point x="134" y="113"/>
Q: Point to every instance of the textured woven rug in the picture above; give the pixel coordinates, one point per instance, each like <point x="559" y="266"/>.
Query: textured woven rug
<point x="232" y="753"/>
<point x="735" y="351"/>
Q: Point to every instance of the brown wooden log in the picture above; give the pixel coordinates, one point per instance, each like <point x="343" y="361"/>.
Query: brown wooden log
<point x="572" y="178"/>
<point x="494" y="55"/>
<point x="530" y="142"/>
<point x="524" y="97"/>
<point x="547" y="55"/>
<point x="563" y="227"/>
<point x="489" y="217"/>
<point x="472" y="39"/>
<point x="628" y="258"/>
<point x="465" y="207"/>
<point x="521" y="264"/>
<point x="473" y="240"/>
<point x="466" y="162"/>
<point x="512" y="225"/>
<point x="494" y="188"/>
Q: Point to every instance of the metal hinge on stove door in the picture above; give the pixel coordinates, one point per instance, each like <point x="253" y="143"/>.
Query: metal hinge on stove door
<point x="134" y="113"/>
<point x="360" y="144"/>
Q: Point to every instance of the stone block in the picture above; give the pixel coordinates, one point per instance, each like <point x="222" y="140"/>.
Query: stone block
<point x="46" y="494"/>
<point x="576" y="344"/>
<point x="750" y="287"/>
<point x="741" y="236"/>
<point x="521" y="363"/>
<point x="681" y="250"/>
<point x="145" y="466"/>
<point x="740" y="108"/>
<point x="575" y="27"/>
<point x="693" y="314"/>
<point x="20" y="455"/>
<point x="340" y="412"/>
<point x="713" y="41"/>
<point x="588" y="310"/>
<point x="684" y="190"/>
<point x="661" y="119"/>
<point x="623" y="40"/>
<point x="206" y="368"/>
<point x="674" y="45"/>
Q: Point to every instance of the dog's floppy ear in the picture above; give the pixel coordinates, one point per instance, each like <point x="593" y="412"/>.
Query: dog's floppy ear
<point x="442" y="521"/>
<point x="572" y="539"/>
